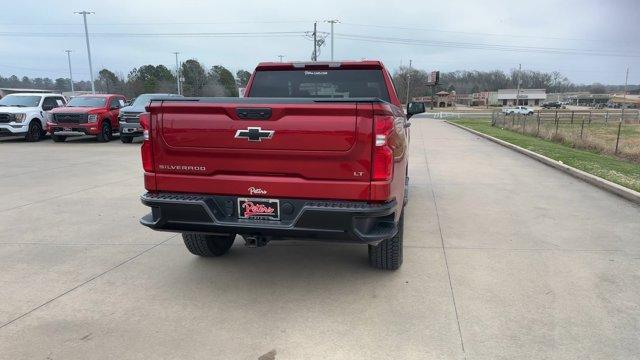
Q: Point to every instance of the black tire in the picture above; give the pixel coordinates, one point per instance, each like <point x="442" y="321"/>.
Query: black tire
<point x="35" y="131"/>
<point x="126" y="139"/>
<point x="58" y="138"/>
<point x="208" y="245"/>
<point x="387" y="255"/>
<point x="105" y="131"/>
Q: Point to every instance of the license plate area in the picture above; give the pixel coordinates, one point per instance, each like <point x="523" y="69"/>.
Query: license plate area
<point x="257" y="208"/>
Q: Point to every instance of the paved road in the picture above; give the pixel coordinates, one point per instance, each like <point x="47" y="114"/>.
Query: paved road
<point x="505" y="259"/>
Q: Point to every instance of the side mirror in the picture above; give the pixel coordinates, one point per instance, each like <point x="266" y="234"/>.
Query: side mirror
<point x="414" y="108"/>
<point x="47" y="107"/>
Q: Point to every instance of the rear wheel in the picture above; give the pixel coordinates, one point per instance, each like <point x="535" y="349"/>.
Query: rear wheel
<point x="387" y="255"/>
<point x="35" y="131"/>
<point x="208" y="245"/>
<point x="126" y="139"/>
<point x="105" y="132"/>
<point x="58" y="138"/>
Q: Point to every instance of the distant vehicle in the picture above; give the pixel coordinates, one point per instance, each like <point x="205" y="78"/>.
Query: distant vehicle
<point x="86" y="115"/>
<point x="25" y="114"/>
<point x="552" y="105"/>
<point x="129" y="116"/>
<point x="521" y="110"/>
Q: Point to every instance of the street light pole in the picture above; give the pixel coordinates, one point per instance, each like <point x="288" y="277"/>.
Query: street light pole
<point x="280" y="57"/>
<point x="73" y="93"/>
<point x="518" y="91"/>
<point x="333" y="21"/>
<point x="86" y="35"/>
<point x="177" y="73"/>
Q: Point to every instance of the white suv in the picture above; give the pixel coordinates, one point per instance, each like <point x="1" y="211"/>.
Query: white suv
<point x="25" y="114"/>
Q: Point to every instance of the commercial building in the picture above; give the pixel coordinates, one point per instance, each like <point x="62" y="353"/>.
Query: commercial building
<point x="527" y="97"/>
<point x="445" y="98"/>
<point x="442" y="99"/>
<point x="586" y="99"/>
<point x="628" y="101"/>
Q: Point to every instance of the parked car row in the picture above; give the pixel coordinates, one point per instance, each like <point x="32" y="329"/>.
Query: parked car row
<point x="33" y="115"/>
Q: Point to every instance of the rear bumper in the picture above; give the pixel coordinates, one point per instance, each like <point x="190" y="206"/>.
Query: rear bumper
<point x="74" y="129"/>
<point x="343" y="221"/>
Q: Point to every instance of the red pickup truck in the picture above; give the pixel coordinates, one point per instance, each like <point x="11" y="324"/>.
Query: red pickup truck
<point x="315" y="151"/>
<point x="86" y="115"/>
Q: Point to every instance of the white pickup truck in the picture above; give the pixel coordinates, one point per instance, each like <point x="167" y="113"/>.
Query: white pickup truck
<point x="25" y="114"/>
<point x="522" y="110"/>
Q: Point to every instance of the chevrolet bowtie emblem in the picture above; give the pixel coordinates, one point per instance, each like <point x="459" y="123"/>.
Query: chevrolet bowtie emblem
<point x="254" y="134"/>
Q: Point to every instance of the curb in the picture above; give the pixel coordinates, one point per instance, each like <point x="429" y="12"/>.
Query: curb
<point x="606" y="185"/>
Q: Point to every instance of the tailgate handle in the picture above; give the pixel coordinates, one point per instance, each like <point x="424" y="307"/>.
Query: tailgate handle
<point x="254" y="113"/>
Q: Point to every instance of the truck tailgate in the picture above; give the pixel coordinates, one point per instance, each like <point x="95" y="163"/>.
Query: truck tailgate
<point x="283" y="148"/>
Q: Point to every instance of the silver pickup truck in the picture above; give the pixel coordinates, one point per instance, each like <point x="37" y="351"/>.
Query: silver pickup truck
<point x="129" y="122"/>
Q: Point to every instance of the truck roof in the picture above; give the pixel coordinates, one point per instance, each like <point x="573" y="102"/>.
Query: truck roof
<point x="258" y="100"/>
<point x="351" y="64"/>
<point x="33" y="94"/>
<point x="99" y="95"/>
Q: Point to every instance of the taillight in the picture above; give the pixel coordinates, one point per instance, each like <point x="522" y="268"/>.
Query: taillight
<point x="146" y="150"/>
<point x="382" y="152"/>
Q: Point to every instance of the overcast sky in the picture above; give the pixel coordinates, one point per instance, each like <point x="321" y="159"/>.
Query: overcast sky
<point x="584" y="40"/>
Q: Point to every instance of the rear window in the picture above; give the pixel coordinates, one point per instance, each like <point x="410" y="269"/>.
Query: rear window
<point x="320" y="84"/>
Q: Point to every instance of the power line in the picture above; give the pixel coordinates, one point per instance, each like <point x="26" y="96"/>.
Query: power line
<point x="474" y="33"/>
<point x="482" y="46"/>
<point x="347" y="36"/>
<point x="164" y="23"/>
<point x="181" y="34"/>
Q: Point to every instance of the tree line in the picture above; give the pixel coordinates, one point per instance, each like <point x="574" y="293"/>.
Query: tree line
<point x="196" y="80"/>
<point x="468" y="82"/>
<point x="219" y="81"/>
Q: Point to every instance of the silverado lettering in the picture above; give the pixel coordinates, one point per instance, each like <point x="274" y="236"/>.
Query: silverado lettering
<point x="182" y="167"/>
<point x="336" y="171"/>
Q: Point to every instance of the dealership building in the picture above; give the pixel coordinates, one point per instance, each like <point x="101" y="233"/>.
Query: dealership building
<point x="530" y="97"/>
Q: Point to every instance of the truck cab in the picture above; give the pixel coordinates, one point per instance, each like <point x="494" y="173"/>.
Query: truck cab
<point x="95" y="114"/>
<point x="25" y="114"/>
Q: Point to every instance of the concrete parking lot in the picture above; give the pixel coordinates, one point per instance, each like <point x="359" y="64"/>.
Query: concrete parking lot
<point x="505" y="258"/>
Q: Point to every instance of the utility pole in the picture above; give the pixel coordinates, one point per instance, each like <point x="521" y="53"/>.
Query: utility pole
<point x="314" y="57"/>
<point x="86" y="35"/>
<point x="518" y="91"/>
<point x="408" y="82"/>
<point x="73" y="93"/>
<point x="177" y="73"/>
<point x="280" y="57"/>
<point x="332" y="21"/>
<point x="624" y="96"/>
